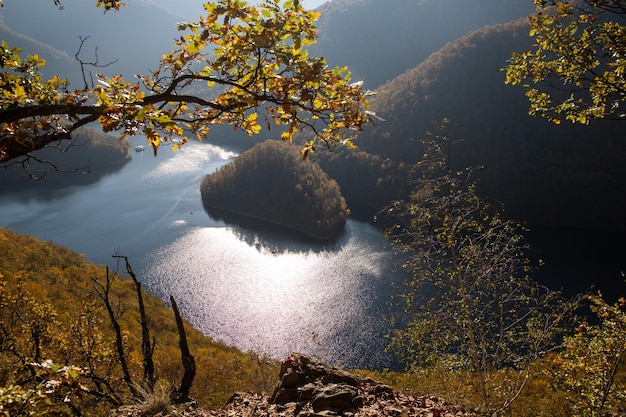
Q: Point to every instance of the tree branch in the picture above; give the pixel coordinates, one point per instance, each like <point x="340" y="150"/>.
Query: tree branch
<point x="181" y="395"/>
<point x="95" y="64"/>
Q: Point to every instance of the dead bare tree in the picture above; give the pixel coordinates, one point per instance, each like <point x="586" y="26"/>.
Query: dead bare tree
<point x="181" y="395"/>
<point x="104" y="292"/>
<point x="147" y="345"/>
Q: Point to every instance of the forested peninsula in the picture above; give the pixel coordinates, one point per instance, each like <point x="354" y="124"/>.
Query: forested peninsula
<point x="271" y="182"/>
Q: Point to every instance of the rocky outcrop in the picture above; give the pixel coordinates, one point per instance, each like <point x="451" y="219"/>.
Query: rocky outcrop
<point x="309" y="388"/>
<point x="303" y="381"/>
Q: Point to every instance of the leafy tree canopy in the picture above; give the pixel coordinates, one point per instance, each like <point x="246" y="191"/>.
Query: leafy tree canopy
<point x="254" y="58"/>
<point x="576" y="68"/>
<point x="469" y="304"/>
<point x="271" y="182"/>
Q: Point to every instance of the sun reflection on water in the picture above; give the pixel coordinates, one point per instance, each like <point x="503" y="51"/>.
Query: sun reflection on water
<point x="190" y="158"/>
<point x="317" y="302"/>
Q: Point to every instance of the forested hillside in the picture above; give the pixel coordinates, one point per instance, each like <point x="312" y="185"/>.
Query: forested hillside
<point x="272" y="182"/>
<point x="368" y="181"/>
<point x="544" y="174"/>
<point x="51" y="311"/>
<point x="93" y="155"/>
<point x="379" y="40"/>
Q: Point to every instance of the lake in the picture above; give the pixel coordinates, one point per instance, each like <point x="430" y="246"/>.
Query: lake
<point x="258" y="288"/>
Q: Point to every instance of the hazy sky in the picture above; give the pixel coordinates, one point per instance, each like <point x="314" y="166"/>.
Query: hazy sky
<point x="312" y="4"/>
<point x="192" y="8"/>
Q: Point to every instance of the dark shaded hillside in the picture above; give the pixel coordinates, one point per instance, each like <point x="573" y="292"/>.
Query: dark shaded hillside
<point x="380" y="39"/>
<point x="273" y="183"/>
<point x="544" y="174"/>
<point x="90" y="156"/>
<point x="368" y="181"/>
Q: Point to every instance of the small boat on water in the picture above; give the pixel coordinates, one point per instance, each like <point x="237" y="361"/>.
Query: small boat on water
<point x="140" y="148"/>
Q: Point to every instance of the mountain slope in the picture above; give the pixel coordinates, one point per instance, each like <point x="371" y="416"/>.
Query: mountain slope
<point x="380" y="39"/>
<point x="568" y="175"/>
<point x="57" y="60"/>
<point x="136" y="36"/>
<point x="65" y="280"/>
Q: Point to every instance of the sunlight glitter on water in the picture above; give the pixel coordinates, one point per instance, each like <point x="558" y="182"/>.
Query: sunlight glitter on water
<point x="274" y="303"/>
<point x="190" y="158"/>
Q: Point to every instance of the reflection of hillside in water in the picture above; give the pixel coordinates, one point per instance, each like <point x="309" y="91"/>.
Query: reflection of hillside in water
<point x="57" y="186"/>
<point x="52" y="185"/>
<point x="62" y="168"/>
<point x="265" y="235"/>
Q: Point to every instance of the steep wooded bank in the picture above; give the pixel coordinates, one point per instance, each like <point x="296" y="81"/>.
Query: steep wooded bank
<point x="368" y="181"/>
<point x="273" y="183"/>
<point x="90" y="156"/>
<point x="567" y="175"/>
<point x="51" y="311"/>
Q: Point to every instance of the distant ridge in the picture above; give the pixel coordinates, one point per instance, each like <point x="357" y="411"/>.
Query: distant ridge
<point x="32" y="44"/>
<point x="380" y="39"/>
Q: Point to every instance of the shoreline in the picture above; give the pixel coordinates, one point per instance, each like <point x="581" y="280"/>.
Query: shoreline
<point x="309" y="234"/>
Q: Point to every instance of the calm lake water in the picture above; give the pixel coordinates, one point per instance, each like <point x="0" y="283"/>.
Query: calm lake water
<point x="260" y="289"/>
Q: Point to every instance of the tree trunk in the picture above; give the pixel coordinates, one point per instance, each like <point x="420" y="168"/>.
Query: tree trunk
<point x="181" y="395"/>
<point x="104" y="291"/>
<point x="147" y="348"/>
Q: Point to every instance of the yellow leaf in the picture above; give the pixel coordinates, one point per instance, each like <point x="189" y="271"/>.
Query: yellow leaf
<point x="175" y="129"/>
<point x="286" y="136"/>
<point x="19" y="93"/>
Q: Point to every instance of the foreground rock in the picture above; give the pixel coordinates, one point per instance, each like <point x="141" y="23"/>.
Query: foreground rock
<point x="309" y="388"/>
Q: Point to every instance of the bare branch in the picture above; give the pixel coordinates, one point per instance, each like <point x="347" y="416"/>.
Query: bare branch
<point x="95" y="64"/>
<point x="104" y="292"/>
